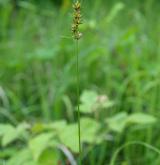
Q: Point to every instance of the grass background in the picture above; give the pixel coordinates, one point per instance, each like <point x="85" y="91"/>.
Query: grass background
<point x="119" y="56"/>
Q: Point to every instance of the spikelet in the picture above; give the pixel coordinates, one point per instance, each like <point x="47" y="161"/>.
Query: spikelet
<point x="76" y="20"/>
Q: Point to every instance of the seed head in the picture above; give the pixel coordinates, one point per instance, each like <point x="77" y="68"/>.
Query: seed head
<point x="76" y="20"/>
<point x="77" y="5"/>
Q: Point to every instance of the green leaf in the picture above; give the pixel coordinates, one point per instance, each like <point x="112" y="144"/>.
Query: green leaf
<point x="7" y="152"/>
<point x="49" y="157"/>
<point x="38" y="128"/>
<point x="108" y="104"/>
<point x="21" y="129"/>
<point x="39" y="143"/>
<point x="69" y="136"/>
<point x="30" y="163"/>
<point x="140" y="118"/>
<point x="88" y="100"/>
<point x="88" y="96"/>
<point x="57" y="125"/>
<point x="5" y="128"/>
<point x="9" y="136"/>
<point x="118" y="122"/>
<point x="89" y="129"/>
<point x="10" y="133"/>
<point x="21" y="157"/>
<point x="91" y="102"/>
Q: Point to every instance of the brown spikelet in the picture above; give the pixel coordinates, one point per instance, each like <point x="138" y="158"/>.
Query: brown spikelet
<point x="76" y="20"/>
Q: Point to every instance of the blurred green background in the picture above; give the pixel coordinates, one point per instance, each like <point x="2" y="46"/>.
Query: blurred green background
<point x="119" y="58"/>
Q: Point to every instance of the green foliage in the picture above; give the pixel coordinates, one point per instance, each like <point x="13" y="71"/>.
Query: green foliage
<point x="121" y="120"/>
<point x="117" y="122"/>
<point x="119" y="56"/>
<point x="38" y="144"/>
<point x="91" y="102"/>
<point x="10" y="133"/>
<point x="21" y="157"/>
<point x="89" y="130"/>
<point x="49" y="157"/>
<point x="115" y="11"/>
<point x="89" y="133"/>
<point x="42" y="148"/>
<point x="140" y="118"/>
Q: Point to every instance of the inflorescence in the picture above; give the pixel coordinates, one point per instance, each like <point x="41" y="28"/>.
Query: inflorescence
<point x="76" y="20"/>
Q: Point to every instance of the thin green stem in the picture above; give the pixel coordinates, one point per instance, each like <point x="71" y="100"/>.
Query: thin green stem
<point x="78" y="98"/>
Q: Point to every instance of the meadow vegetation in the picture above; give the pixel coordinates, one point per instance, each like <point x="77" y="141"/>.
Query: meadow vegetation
<point x="119" y="64"/>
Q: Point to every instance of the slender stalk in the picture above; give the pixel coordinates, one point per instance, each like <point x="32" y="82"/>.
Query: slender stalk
<point x="78" y="99"/>
<point x="77" y="35"/>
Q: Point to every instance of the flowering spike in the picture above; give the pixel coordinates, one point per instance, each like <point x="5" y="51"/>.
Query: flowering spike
<point x="76" y="20"/>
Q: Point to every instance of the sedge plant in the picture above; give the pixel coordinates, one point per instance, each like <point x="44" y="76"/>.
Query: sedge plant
<point x="77" y="35"/>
